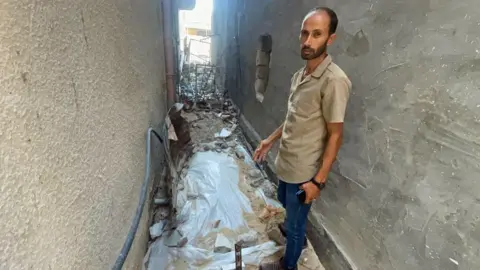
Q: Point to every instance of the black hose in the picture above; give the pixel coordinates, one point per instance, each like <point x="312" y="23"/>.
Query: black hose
<point x="143" y="196"/>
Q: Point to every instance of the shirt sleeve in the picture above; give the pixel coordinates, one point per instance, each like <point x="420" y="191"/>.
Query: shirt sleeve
<point x="334" y="100"/>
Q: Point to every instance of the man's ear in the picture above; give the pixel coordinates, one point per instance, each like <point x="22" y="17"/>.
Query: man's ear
<point x="331" y="39"/>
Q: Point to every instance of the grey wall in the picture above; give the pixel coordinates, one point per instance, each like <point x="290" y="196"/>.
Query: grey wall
<point x="405" y="193"/>
<point x="80" y="83"/>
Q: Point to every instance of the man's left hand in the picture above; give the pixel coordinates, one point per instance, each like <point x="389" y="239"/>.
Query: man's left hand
<point x="312" y="192"/>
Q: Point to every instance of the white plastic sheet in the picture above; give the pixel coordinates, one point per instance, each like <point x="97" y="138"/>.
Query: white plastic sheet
<point x="210" y="194"/>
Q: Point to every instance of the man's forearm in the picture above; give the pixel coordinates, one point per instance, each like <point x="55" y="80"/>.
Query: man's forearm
<point x="333" y="145"/>
<point x="277" y="134"/>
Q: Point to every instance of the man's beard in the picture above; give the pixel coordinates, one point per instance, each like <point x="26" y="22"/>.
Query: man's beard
<point x="310" y="54"/>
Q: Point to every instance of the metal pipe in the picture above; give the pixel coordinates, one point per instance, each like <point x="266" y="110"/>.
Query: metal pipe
<point x="169" y="50"/>
<point x="143" y="196"/>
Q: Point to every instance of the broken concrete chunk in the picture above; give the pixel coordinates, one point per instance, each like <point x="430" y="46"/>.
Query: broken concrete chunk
<point x="275" y="235"/>
<point x="224" y="133"/>
<point x="222" y="244"/>
<point x="221" y="145"/>
<point x="257" y="182"/>
<point x="157" y="229"/>
<point x="248" y="239"/>
<point x="268" y="189"/>
<point x="239" y="154"/>
<point x="161" y="213"/>
<point x="254" y="173"/>
<point x="231" y="143"/>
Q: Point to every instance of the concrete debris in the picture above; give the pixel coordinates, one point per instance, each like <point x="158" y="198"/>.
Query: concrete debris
<point x="157" y="229"/>
<point x="222" y="145"/>
<point x="254" y="173"/>
<point x="214" y="127"/>
<point x="269" y="212"/>
<point x="206" y="148"/>
<point x="269" y="189"/>
<point x="232" y="144"/>
<point x="222" y="244"/>
<point x="190" y="117"/>
<point x="161" y="213"/>
<point x="240" y="154"/>
<point x="257" y="182"/>
<point x="248" y="239"/>
<point x="224" y="133"/>
<point x="275" y="235"/>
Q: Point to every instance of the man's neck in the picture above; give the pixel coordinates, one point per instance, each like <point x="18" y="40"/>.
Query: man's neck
<point x="314" y="63"/>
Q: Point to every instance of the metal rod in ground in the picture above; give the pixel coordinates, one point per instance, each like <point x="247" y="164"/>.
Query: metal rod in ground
<point x="238" y="256"/>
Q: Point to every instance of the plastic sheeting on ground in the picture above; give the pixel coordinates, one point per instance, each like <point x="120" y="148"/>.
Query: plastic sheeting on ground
<point x="209" y="202"/>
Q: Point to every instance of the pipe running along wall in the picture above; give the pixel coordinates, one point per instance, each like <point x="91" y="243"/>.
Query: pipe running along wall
<point x="143" y="196"/>
<point x="167" y="9"/>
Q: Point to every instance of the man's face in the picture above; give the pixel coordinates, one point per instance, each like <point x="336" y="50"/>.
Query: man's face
<point x="314" y="36"/>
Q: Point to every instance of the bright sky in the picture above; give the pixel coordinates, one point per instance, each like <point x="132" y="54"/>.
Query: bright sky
<point x="201" y="14"/>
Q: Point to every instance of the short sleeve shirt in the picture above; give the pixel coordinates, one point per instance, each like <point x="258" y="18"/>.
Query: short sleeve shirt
<point x="314" y="101"/>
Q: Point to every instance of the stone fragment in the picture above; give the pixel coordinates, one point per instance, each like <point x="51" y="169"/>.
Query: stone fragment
<point x="161" y="213"/>
<point x="257" y="182"/>
<point x="254" y="173"/>
<point x="248" y="239"/>
<point x="157" y="229"/>
<point x="275" y="235"/>
<point x="221" y="145"/>
<point x="268" y="189"/>
<point x="239" y="154"/>
<point x="231" y="143"/>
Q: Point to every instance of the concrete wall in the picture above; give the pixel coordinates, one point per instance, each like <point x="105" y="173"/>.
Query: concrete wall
<point x="81" y="81"/>
<point x="405" y="191"/>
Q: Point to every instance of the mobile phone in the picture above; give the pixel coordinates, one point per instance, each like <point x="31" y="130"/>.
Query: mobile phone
<point x="301" y="196"/>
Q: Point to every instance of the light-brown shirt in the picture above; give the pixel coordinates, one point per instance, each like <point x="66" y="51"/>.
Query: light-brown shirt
<point x="318" y="99"/>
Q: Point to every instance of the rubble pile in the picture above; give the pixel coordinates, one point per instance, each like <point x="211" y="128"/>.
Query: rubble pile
<point x="198" y="83"/>
<point x="222" y="199"/>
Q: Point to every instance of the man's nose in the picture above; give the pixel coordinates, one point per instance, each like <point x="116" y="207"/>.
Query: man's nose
<point x="308" y="41"/>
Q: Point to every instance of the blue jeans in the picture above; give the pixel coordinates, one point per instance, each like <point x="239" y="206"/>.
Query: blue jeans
<point x="295" y="223"/>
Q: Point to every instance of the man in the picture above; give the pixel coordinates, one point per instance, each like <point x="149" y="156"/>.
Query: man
<point x="312" y="132"/>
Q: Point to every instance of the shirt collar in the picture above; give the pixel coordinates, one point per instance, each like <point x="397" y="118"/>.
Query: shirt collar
<point x="318" y="72"/>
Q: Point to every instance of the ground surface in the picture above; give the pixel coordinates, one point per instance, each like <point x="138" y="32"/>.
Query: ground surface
<point x="203" y="127"/>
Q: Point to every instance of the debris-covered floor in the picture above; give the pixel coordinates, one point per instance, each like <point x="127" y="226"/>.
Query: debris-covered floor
<point x="221" y="198"/>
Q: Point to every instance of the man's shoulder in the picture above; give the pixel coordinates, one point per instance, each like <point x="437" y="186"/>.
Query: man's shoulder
<point x="334" y="72"/>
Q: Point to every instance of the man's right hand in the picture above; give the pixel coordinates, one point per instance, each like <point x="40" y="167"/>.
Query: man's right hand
<point x="262" y="150"/>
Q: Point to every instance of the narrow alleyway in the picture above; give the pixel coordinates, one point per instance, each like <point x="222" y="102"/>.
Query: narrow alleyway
<point x="222" y="198"/>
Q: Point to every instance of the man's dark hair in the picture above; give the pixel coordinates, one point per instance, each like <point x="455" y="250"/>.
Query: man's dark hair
<point x="333" y="18"/>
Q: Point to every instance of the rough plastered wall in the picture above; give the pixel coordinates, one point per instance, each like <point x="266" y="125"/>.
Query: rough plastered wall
<point x="80" y="83"/>
<point x="405" y="191"/>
